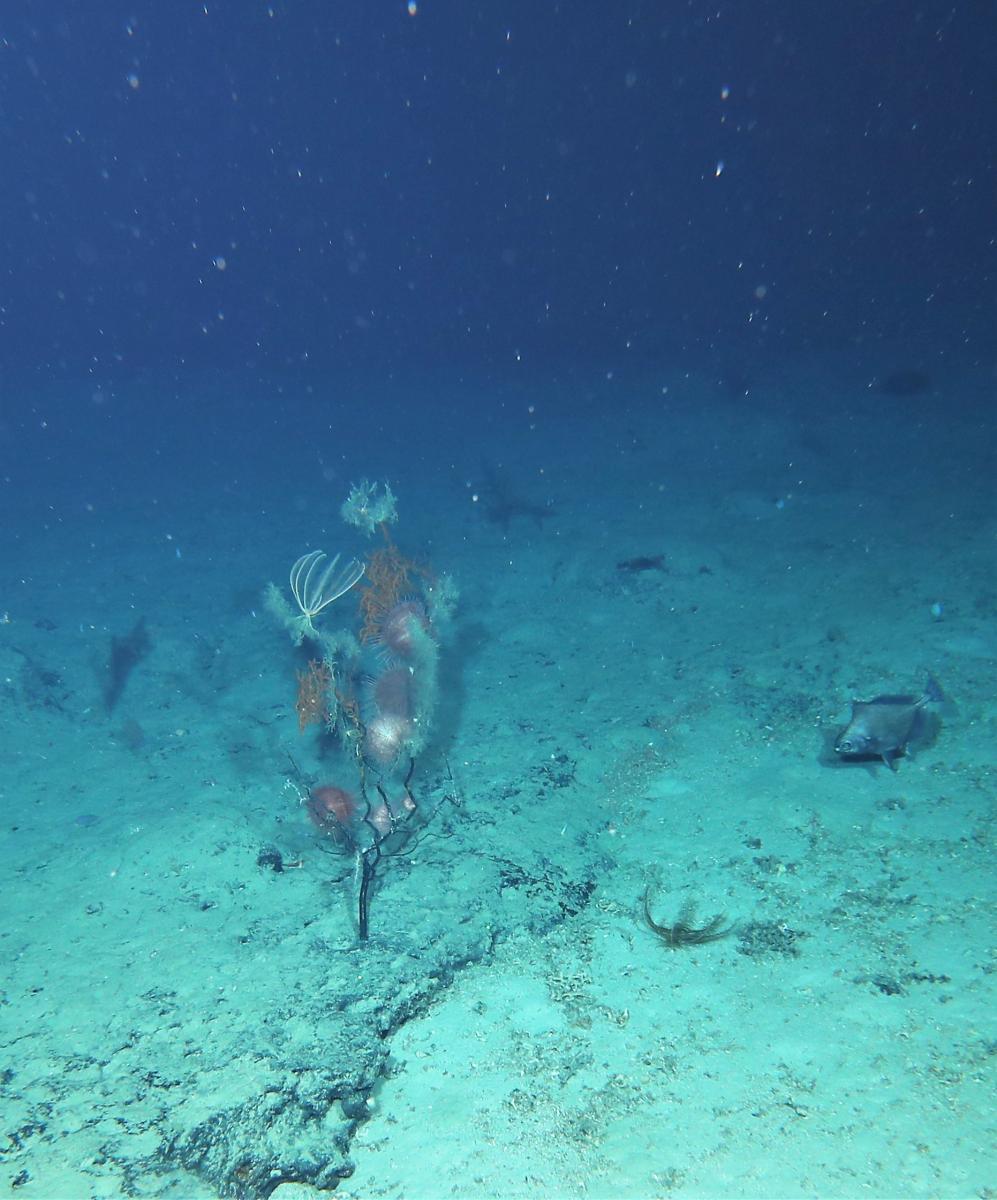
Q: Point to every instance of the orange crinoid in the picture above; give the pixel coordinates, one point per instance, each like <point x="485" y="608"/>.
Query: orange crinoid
<point x="389" y="580"/>
<point x="313" y="686"/>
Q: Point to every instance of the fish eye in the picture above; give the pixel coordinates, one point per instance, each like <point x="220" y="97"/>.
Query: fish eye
<point x="845" y="746"/>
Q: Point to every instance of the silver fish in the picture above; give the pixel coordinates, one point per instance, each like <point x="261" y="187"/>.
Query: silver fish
<point x="883" y="727"/>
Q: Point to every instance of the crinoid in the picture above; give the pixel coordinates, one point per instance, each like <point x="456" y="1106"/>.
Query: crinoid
<point x="315" y="586"/>
<point x="684" y="932"/>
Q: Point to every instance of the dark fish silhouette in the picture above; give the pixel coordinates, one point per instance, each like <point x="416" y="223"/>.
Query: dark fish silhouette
<point x="882" y="728"/>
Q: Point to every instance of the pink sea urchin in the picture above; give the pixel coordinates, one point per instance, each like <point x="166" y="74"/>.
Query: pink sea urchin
<point x="386" y="735"/>
<point x="396" y="628"/>
<point x="331" y="808"/>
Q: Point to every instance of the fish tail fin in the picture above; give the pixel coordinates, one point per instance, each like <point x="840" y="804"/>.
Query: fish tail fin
<point x="933" y="693"/>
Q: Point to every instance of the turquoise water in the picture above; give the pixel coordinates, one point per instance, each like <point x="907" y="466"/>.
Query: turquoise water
<point x="182" y="1019"/>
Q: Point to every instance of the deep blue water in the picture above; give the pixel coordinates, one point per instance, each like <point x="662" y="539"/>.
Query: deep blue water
<point x="280" y="186"/>
<point x="321" y="198"/>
